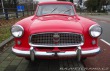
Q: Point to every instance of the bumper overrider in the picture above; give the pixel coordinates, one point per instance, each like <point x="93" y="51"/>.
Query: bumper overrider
<point x="78" y="53"/>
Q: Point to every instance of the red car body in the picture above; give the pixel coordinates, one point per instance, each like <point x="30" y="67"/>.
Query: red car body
<point x="55" y="24"/>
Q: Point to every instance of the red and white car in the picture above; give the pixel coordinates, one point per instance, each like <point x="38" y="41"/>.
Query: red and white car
<point x="56" y="31"/>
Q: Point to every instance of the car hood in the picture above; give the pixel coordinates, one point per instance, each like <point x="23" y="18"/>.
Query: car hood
<point x="55" y="24"/>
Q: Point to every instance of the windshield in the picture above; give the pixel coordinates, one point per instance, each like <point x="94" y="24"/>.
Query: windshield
<point x="55" y="9"/>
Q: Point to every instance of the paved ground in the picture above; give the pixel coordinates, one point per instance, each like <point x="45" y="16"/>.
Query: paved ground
<point x="101" y="17"/>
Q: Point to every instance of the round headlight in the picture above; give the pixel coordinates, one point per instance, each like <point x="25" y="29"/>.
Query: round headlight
<point x="95" y="30"/>
<point x="17" y="31"/>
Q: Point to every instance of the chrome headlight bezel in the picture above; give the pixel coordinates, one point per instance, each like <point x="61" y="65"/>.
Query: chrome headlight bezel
<point x="17" y="31"/>
<point x="98" y="30"/>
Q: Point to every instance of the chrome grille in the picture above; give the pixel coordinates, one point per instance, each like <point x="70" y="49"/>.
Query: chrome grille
<point x="64" y="39"/>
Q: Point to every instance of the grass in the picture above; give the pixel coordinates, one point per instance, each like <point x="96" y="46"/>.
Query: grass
<point x="5" y="26"/>
<point x="4" y="32"/>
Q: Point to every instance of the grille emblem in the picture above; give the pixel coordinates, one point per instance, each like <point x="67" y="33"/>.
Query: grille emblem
<point x="56" y="38"/>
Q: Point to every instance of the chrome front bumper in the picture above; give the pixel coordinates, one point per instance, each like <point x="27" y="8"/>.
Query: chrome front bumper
<point x="78" y="53"/>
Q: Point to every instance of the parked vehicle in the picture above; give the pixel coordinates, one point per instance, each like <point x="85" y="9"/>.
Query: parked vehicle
<point x="56" y="31"/>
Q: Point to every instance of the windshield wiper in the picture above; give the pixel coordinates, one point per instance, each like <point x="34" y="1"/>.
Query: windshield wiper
<point x="53" y="10"/>
<point x="67" y="10"/>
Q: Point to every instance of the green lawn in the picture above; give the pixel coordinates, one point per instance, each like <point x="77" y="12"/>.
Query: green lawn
<point x="5" y="26"/>
<point x="4" y="32"/>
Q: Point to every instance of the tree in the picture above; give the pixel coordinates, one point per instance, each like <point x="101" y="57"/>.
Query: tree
<point x="91" y="5"/>
<point x="71" y="1"/>
<point x="10" y="3"/>
<point x="96" y="5"/>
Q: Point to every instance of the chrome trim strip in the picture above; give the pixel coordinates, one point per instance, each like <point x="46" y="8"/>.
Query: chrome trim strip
<point x="57" y="32"/>
<point x="91" y="51"/>
<point x="55" y="46"/>
<point x="67" y="53"/>
<point x="44" y="54"/>
<point x="16" y="51"/>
